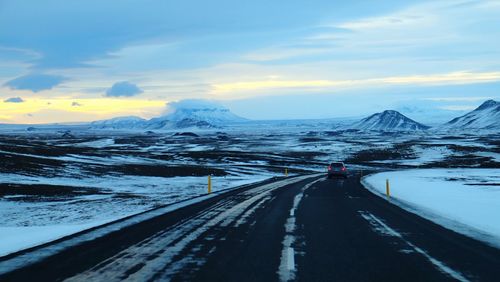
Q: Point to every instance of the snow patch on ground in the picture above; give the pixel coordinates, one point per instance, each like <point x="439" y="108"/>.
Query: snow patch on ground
<point x="464" y="200"/>
<point x="427" y="155"/>
<point x="100" y="143"/>
<point x="25" y="224"/>
<point x="19" y="238"/>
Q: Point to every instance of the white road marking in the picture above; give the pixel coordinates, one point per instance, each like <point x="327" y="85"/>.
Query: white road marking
<point x="243" y="219"/>
<point x="380" y="227"/>
<point x="286" y="270"/>
<point x="291" y="259"/>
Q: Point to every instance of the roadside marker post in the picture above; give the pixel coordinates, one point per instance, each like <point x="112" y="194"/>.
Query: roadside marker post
<point x="387" y="188"/>
<point x="286" y="172"/>
<point x="209" y="184"/>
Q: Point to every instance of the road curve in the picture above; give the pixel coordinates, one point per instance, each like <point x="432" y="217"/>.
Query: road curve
<point x="305" y="228"/>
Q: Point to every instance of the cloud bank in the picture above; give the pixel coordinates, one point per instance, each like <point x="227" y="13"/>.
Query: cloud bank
<point x="193" y="104"/>
<point x="14" y="100"/>
<point x="35" y="82"/>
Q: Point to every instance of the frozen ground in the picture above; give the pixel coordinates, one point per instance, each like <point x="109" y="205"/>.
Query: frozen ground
<point x="56" y="183"/>
<point x="464" y="200"/>
<point x="28" y="220"/>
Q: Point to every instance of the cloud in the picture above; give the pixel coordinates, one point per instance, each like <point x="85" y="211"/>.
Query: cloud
<point x="76" y="104"/>
<point x="14" y="100"/>
<point x="63" y="40"/>
<point x="432" y="79"/>
<point x="193" y="104"/>
<point x="35" y="82"/>
<point x="325" y="47"/>
<point x="123" y="89"/>
<point x="455" y="99"/>
<point x="459" y="108"/>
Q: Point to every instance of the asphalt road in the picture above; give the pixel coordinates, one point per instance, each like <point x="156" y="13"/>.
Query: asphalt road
<point x="307" y="228"/>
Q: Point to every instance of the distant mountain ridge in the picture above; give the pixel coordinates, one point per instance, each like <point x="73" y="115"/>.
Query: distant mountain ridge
<point x="210" y="116"/>
<point x="388" y="120"/>
<point x="201" y="117"/>
<point x="131" y="122"/>
<point x="486" y="116"/>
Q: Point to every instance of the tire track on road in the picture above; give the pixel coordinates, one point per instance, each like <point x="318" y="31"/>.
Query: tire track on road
<point x="159" y="256"/>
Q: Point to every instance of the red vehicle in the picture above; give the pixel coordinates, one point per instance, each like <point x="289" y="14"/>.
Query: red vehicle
<point x="337" y="169"/>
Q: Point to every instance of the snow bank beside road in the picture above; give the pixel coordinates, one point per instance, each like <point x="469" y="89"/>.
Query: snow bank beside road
<point x="25" y="224"/>
<point x="20" y="238"/>
<point x="464" y="200"/>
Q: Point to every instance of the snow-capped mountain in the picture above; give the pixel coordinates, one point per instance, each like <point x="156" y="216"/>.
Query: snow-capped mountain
<point x="388" y="121"/>
<point x="188" y="123"/>
<point x="128" y="122"/>
<point x="165" y="122"/>
<point x="201" y="110"/>
<point x="183" y="114"/>
<point x="194" y="114"/>
<point x="486" y="116"/>
<point x="213" y="115"/>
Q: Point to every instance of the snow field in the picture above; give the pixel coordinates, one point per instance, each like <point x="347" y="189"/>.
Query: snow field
<point x="28" y="224"/>
<point x="464" y="200"/>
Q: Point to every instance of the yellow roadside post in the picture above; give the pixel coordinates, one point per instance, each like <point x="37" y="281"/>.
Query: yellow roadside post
<point x="209" y="184"/>
<point x="286" y="172"/>
<point x="387" y="188"/>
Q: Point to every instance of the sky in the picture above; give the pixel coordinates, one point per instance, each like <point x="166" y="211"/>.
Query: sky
<point x="84" y="60"/>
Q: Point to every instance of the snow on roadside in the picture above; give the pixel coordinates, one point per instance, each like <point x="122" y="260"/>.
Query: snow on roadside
<point x="20" y="238"/>
<point x="464" y="200"/>
<point x="25" y="224"/>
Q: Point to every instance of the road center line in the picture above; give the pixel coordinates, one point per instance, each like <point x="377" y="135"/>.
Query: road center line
<point x="291" y="259"/>
<point x="286" y="270"/>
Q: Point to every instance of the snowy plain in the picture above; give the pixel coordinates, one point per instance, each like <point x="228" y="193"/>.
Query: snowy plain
<point x="27" y="224"/>
<point x="53" y="185"/>
<point x="464" y="200"/>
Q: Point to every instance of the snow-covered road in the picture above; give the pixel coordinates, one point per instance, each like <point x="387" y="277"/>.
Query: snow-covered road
<point x="306" y="228"/>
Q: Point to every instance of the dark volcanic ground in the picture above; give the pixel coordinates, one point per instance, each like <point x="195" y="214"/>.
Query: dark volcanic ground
<point x="51" y="179"/>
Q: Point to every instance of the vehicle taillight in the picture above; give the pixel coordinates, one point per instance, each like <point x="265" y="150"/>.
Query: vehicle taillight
<point x="344" y="169"/>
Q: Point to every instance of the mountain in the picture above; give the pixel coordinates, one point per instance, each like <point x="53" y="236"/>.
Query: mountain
<point x="189" y="122"/>
<point x="165" y="122"/>
<point x="200" y="114"/>
<point x="212" y="115"/>
<point x="486" y="116"/>
<point x="128" y="122"/>
<point x="388" y="121"/>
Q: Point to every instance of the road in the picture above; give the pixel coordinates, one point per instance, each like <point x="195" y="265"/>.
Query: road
<point x="305" y="228"/>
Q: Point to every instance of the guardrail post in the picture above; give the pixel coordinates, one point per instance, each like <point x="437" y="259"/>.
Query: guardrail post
<point x="387" y="188"/>
<point x="209" y="184"/>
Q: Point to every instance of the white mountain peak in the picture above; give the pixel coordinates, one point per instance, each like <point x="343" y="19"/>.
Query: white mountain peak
<point x="388" y="120"/>
<point x="486" y="116"/>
